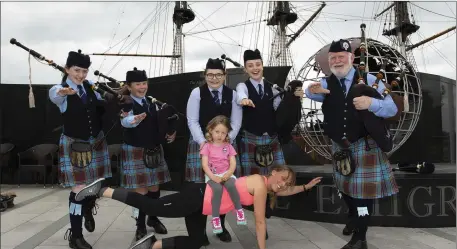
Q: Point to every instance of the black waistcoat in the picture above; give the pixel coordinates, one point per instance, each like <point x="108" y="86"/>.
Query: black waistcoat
<point x="80" y="120"/>
<point x="260" y="119"/>
<point x="340" y="116"/>
<point x="209" y="109"/>
<point x="145" y="134"/>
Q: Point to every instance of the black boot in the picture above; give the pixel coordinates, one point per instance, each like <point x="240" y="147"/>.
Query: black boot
<point x="153" y="221"/>
<point x="140" y="226"/>
<point x="90" y="209"/>
<point x="348" y="229"/>
<point x="225" y="235"/>
<point x="75" y="233"/>
<point x="359" y="237"/>
<point x="76" y="243"/>
<point x="356" y="244"/>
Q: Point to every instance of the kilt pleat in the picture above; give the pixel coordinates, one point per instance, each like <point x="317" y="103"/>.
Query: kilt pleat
<point x="100" y="166"/>
<point x="194" y="170"/>
<point x="247" y="150"/>
<point x="135" y="174"/>
<point x="373" y="177"/>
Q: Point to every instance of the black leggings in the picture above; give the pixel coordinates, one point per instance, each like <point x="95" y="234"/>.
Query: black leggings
<point x="188" y="204"/>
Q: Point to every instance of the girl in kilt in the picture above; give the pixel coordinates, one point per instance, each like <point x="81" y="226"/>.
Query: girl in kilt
<point x="258" y="119"/>
<point x="82" y="111"/>
<point x="258" y="116"/>
<point x="141" y="132"/>
<point x="206" y="102"/>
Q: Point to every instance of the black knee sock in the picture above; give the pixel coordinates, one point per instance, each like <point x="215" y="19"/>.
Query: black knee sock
<point x="141" y="220"/>
<point x="76" y="216"/>
<point x="361" y="227"/>
<point x="88" y="204"/>
<point x="153" y="195"/>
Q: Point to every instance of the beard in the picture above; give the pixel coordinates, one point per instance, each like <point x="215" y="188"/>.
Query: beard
<point x="342" y="71"/>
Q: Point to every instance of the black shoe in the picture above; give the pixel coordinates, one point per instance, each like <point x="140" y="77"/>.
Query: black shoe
<point x="266" y="235"/>
<point x="356" y="244"/>
<point x="90" y="190"/>
<point x="140" y="233"/>
<point x="145" y="243"/>
<point x="157" y="225"/>
<point x="76" y="243"/>
<point x="89" y="222"/>
<point x="348" y="229"/>
<point x="224" y="236"/>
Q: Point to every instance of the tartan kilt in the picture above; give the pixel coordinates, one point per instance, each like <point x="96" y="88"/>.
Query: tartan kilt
<point x="373" y="177"/>
<point x="194" y="170"/>
<point x="100" y="167"/>
<point x="135" y="174"/>
<point x="247" y="150"/>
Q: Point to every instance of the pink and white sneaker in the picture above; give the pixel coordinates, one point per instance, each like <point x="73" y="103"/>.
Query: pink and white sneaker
<point x="240" y="218"/>
<point x="216" y="222"/>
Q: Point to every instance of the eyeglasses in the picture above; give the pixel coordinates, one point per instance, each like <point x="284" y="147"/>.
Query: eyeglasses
<point x="214" y="76"/>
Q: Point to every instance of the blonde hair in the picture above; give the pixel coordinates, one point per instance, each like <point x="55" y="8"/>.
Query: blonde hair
<point x="291" y="176"/>
<point x="220" y="119"/>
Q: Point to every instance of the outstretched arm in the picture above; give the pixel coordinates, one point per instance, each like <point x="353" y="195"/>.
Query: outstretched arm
<point x="300" y="188"/>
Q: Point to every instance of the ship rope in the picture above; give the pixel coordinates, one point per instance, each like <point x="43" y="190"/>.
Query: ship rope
<point x="127" y="48"/>
<point x="112" y="38"/>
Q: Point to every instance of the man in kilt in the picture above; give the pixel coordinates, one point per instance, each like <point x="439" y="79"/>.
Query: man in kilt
<point x="372" y="177"/>
<point x="206" y="102"/>
<point x="83" y="152"/>
<point x="141" y="133"/>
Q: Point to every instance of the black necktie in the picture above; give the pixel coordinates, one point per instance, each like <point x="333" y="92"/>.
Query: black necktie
<point x="260" y="91"/>
<point x="82" y="94"/>
<point x="343" y="85"/>
<point x="145" y="105"/>
<point x="216" y="97"/>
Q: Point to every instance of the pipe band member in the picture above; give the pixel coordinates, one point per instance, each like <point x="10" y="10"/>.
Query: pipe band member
<point x="259" y="145"/>
<point x="194" y="203"/>
<point x="83" y="151"/>
<point x="206" y="102"/>
<point x="371" y="176"/>
<point x="143" y="164"/>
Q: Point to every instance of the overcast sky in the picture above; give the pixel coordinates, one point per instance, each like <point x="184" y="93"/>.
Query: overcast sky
<point x="55" y="28"/>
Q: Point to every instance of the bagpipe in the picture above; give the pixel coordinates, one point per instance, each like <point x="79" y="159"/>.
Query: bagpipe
<point x="421" y="168"/>
<point x="105" y="91"/>
<point x="375" y="126"/>
<point x="288" y="113"/>
<point x="81" y="151"/>
<point x="167" y="115"/>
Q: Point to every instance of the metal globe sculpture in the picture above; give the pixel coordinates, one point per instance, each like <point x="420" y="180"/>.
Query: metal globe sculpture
<point x="398" y="67"/>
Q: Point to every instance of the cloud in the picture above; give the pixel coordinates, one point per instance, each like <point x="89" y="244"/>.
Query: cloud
<point x="60" y="27"/>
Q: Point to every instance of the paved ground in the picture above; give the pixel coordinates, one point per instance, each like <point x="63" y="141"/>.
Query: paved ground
<point x="40" y="218"/>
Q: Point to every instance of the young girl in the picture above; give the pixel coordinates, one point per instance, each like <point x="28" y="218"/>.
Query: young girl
<point x="141" y="133"/>
<point x="219" y="163"/>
